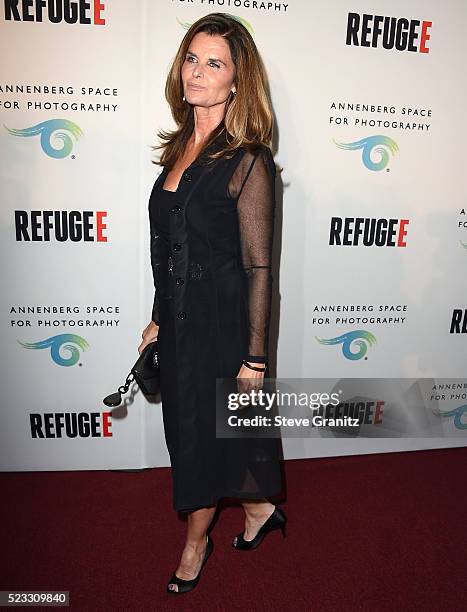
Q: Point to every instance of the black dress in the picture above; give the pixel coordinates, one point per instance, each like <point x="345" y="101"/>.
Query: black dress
<point x="211" y="244"/>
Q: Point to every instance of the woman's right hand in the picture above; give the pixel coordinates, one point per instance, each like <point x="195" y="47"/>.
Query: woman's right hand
<point x="149" y="335"/>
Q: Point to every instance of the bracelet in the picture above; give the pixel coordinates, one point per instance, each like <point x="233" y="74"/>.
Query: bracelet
<point x="252" y="367"/>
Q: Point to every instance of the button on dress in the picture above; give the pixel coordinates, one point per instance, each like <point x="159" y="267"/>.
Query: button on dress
<point x="211" y="249"/>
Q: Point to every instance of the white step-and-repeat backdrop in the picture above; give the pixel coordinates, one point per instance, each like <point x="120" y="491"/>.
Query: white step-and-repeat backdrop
<point x="371" y="235"/>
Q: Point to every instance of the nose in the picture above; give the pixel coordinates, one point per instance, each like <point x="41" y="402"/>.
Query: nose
<point x="197" y="71"/>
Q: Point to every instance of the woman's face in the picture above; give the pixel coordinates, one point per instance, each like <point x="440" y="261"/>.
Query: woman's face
<point x="208" y="71"/>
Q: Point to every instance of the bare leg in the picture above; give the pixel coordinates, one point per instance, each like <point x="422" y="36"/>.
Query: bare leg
<point x="256" y="514"/>
<point x="195" y="546"/>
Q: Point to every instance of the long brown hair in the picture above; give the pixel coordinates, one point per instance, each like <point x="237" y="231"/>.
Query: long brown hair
<point x="248" y="119"/>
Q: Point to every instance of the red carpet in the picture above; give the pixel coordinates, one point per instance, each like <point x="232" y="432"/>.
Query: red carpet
<point x="372" y="532"/>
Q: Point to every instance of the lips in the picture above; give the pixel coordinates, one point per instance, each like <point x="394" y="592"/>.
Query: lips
<point x="195" y="87"/>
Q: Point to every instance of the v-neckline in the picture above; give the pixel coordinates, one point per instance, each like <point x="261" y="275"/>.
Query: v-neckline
<point x="180" y="179"/>
<point x="213" y="143"/>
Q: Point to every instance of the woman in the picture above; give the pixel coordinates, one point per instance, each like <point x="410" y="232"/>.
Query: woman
<point x="212" y="216"/>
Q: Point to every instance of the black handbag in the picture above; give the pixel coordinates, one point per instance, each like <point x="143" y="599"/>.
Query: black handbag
<point x="146" y="372"/>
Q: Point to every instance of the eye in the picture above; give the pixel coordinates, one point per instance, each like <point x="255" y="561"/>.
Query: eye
<point x="214" y="64"/>
<point x="189" y="58"/>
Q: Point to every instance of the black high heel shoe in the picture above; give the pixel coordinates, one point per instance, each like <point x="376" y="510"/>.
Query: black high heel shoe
<point x="277" y="520"/>
<point x="188" y="585"/>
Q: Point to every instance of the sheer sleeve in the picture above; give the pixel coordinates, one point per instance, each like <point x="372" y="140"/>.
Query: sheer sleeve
<point x="253" y="184"/>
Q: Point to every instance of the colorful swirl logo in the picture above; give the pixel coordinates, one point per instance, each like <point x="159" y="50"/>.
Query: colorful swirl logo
<point x="457" y="413"/>
<point x="360" y="337"/>
<point x="244" y="22"/>
<point x="50" y="128"/>
<point x="380" y="144"/>
<point x="56" y="343"/>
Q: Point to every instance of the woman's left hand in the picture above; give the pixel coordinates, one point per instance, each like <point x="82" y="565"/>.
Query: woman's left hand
<point x="248" y="379"/>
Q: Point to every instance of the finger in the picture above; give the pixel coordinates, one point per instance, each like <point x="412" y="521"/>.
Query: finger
<point x="244" y="385"/>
